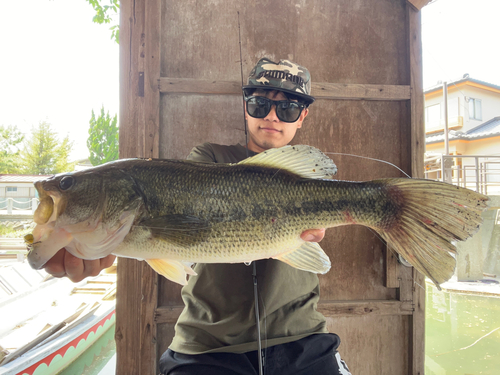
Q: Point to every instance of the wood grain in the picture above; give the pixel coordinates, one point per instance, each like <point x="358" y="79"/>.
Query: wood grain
<point x="137" y="292"/>
<point x="170" y="85"/>
<point x="169" y="314"/>
<point x="417" y="333"/>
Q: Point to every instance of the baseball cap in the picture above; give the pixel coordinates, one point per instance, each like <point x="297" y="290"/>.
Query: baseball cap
<point x="283" y="76"/>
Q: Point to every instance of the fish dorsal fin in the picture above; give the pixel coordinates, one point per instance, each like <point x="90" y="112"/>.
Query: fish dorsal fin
<point x="305" y="161"/>
<point x="308" y="257"/>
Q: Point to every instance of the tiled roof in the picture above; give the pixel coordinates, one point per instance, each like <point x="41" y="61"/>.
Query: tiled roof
<point x="451" y="83"/>
<point x="21" y="177"/>
<point x="490" y="128"/>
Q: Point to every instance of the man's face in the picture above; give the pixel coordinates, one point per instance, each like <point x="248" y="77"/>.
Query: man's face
<point x="270" y="131"/>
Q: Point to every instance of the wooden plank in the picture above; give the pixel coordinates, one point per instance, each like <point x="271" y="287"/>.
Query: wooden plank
<point x="149" y="281"/>
<point x="373" y="344"/>
<point x="391" y="268"/>
<point x="139" y="137"/>
<point x="360" y="91"/>
<point x="169" y="314"/>
<point x="169" y="85"/>
<point x="418" y="4"/>
<point x="417" y="321"/>
<point x="129" y="275"/>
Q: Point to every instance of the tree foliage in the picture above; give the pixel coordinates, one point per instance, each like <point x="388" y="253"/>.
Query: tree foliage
<point x="103" y="138"/>
<point x="44" y="153"/>
<point x="10" y="140"/>
<point x="105" y="13"/>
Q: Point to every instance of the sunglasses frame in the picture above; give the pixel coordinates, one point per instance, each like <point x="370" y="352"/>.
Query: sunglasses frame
<point x="276" y="103"/>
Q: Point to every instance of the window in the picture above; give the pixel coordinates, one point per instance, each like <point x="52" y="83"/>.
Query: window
<point x="433" y="115"/>
<point x="11" y="188"/>
<point x="475" y="112"/>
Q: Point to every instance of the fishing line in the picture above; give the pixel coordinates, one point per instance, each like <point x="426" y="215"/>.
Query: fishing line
<point x="366" y="157"/>
<point x="254" y="273"/>
<point x="242" y="83"/>
<point x="405" y="269"/>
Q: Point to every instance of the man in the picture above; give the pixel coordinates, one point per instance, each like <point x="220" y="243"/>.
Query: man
<point x="217" y="331"/>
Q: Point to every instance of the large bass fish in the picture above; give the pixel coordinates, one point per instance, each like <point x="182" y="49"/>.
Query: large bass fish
<point x="172" y="213"/>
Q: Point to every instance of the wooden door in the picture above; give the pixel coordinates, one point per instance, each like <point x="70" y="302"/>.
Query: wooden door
<point x="181" y="86"/>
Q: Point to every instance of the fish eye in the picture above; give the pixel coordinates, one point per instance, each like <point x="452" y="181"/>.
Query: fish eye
<point x="66" y="182"/>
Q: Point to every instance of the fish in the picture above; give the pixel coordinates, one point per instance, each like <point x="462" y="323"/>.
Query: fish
<point x="173" y="213"/>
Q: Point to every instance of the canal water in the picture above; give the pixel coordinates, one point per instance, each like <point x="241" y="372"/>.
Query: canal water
<point x="99" y="359"/>
<point x="462" y="333"/>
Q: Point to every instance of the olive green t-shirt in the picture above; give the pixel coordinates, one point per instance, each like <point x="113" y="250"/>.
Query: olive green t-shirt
<point x="219" y="313"/>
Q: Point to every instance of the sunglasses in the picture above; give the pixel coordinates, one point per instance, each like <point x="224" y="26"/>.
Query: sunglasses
<point x="286" y="110"/>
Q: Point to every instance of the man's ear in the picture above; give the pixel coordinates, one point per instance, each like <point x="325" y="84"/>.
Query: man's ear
<point x="302" y="117"/>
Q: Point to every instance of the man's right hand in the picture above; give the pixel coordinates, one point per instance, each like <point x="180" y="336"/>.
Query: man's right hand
<point x="76" y="269"/>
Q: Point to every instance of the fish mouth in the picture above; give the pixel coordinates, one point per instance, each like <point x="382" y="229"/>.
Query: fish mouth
<point x="51" y="204"/>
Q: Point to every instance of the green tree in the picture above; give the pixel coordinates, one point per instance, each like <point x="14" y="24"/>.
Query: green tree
<point x="10" y="140"/>
<point x="44" y="153"/>
<point x="105" y="13"/>
<point x="103" y="138"/>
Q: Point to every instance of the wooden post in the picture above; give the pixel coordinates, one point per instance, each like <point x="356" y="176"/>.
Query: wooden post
<point x="417" y="321"/>
<point x="137" y="286"/>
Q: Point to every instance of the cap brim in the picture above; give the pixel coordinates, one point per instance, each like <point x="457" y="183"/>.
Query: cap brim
<point x="307" y="98"/>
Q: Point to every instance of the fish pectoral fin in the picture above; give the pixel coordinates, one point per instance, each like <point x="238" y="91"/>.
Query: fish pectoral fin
<point x="182" y="230"/>
<point x="305" y="161"/>
<point x="308" y="257"/>
<point x="171" y="269"/>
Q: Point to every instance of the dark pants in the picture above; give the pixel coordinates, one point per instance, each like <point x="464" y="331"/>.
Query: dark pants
<point x="316" y="354"/>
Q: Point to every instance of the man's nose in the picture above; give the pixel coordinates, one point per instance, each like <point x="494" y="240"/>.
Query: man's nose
<point x="272" y="116"/>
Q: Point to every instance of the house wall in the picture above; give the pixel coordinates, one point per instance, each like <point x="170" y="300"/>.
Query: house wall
<point x="490" y="103"/>
<point x="24" y="189"/>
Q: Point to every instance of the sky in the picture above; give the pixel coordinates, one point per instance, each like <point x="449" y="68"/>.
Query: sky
<point x="459" y="37"/>
<point x="57" y="65"/>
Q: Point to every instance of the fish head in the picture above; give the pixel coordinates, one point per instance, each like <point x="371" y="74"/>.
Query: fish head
<point x="87" y="212"/>
<point x="69" y="199"/>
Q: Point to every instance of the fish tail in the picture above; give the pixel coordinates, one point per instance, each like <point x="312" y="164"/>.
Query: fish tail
<point x="431" y="215"/>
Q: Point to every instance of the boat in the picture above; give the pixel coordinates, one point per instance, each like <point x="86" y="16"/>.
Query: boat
<point x="46" y="322"/>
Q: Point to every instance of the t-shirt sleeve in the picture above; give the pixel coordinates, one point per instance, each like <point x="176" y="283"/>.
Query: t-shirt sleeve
<point x="203" y="153"/>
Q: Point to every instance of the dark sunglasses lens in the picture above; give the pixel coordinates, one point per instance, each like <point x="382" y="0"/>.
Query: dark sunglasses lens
<point x="257" y="107"/>
<point x="288" y="111"/>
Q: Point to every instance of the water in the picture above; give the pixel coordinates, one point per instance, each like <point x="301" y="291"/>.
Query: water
<point x="462" y="333"/>
<point x="99" y="359"/>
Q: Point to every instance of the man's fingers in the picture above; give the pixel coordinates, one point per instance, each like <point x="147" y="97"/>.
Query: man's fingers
<point x="65" y="264"/>
<point x="55" y="265"/>
<point x="107" y="261"/>
<point x="74" y="267"/>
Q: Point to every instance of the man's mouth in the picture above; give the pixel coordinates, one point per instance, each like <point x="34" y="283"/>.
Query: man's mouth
<point x="270" y="130"/>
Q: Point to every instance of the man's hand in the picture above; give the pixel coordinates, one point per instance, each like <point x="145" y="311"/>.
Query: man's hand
<point x="313" y="235"/>
<point x="76" y="269"/>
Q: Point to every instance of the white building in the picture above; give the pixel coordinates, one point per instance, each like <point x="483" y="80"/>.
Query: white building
<point x="18" y="191"/>
<point x="474" y="133"/>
